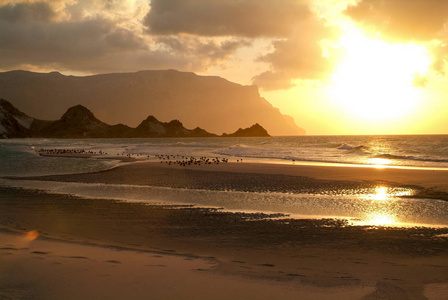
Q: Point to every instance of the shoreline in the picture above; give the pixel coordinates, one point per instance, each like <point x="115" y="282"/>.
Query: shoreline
<point x="250" y="160"/>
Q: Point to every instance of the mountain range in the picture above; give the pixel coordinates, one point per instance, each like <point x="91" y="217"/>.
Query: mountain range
<point x="80" y="122"/>
<point x="206" y="101"/>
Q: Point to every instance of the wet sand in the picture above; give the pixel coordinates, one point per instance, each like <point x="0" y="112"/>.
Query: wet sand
<point x="243" y="255"/>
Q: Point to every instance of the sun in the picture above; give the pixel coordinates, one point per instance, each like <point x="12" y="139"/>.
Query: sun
<point x="375" y="79"/>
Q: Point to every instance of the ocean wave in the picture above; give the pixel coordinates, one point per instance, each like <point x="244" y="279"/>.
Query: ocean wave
<point x="358" y="150"/>
<point x="192" y="144"/>
<point x="345" y="147"/>
<point x="240" y="150"/>
<point x="246" y="151"/>
<point x="350" y="147"/>
<point x="412" y="158"/>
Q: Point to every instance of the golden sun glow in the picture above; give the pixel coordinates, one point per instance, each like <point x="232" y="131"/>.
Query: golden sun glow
<point x="375" y="79"/>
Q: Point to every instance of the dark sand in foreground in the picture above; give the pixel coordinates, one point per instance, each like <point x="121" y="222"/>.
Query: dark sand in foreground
<point x="250" y="256"/>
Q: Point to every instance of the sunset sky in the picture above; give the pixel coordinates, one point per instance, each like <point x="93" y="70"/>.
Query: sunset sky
<point x="337" y="67"/>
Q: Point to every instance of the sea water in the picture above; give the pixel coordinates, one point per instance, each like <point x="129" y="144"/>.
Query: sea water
<point x="381" y="206"/>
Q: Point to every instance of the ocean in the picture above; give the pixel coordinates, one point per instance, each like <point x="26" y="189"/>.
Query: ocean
<point x="19" y="157"/>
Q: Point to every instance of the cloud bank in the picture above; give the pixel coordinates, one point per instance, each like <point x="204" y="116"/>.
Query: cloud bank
<point x="97" y="36"/>
<point x="249" y="18"/>
<point x="294" y="29"/>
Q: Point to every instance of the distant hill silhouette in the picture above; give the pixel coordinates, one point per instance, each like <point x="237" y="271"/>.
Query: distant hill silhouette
<point x="205" y="101"/>
<point x="80" y="122"/>
<point x="255" y="130"/>
<point x="151" y="127"/>
<point x="77" y="122"/>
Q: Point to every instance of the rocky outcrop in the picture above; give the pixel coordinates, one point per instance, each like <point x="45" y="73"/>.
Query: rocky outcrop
<point x="14" y="123"/>
<point x="77" y="122"/>
<point x="255" y="130"/>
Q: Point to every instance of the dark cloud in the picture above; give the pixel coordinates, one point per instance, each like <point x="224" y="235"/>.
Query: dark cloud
<point x="299" y="57"/>
<point x="296" y="50"/>
<point x="88" y="36"/>
<point x="190" y="35"/>
<point x="402" y="20"/>
<point x="208" y="49"/>
<point x="27" y="12"/>
<point x="120" y="38"/>
<point x="63" y="43"/>
<point x="249" y="18"/>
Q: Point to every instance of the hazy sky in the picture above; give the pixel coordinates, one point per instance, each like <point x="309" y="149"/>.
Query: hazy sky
<point x="337" y="67"/>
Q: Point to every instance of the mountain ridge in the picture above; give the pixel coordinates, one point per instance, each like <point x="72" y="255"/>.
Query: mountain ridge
<point x="79" y="122"/>
<point x="209" y="102"/>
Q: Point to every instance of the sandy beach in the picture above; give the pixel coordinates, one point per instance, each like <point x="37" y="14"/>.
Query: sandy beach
<point x="116" y="249"/>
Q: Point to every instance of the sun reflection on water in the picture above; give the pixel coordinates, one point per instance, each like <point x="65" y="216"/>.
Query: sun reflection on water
<point x="381" y="211"/>
<point x="381" y="194"/>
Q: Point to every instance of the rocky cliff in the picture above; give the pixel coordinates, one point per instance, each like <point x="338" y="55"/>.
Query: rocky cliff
<point x="208" y="102"/>
<point x="13" y="123"/>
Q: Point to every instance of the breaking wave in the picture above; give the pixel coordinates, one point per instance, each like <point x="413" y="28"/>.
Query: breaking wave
<point x="354" y="149"/>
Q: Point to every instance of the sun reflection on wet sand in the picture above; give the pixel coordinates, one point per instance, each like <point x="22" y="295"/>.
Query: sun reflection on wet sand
<point x="379" y="163"/>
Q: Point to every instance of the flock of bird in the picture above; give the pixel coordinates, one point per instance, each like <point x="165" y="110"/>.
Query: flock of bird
<point x="188" y="161"/>
<point x="69" y="151"/>
<point x="180" y="160"/>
